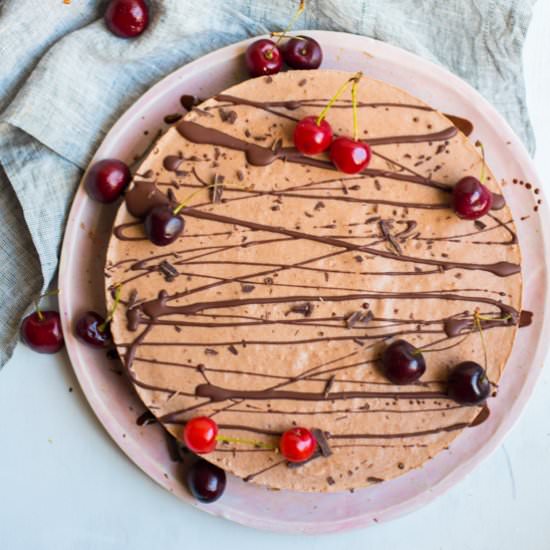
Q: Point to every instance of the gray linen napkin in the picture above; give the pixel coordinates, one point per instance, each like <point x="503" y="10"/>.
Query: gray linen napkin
<point x="64" y="80"/>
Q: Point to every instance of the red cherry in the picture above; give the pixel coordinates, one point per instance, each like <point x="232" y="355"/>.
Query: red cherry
<point x="200" y="434"/>
<point x="471" y="199"/>
<point x="311" y="138"/>
<point x="42" y="331"/>
<point x="303" y="52"/>
<point x="297" y="444"/>
<point x="162" y="226"/>
<point x="350" y="156"/>
<point x="263" y="57"/>
<point x="90" y="330"/>
<point x="107" y="179"/>
<point x="127" y="18"/>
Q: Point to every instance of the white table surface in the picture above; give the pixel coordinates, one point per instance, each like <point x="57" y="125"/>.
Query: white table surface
<point x="65" y="485"/>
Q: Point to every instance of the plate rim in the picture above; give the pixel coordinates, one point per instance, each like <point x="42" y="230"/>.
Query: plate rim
<point x="131" y="449"/>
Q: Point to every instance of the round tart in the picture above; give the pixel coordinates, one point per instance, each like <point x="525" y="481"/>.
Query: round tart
<point x="273" y="307"/>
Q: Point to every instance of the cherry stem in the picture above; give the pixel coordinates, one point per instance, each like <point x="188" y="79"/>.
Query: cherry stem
<point x="355" y="78"/>
<point x="246" y="442"/>
<point x="297" y="14"/>
<point x="109" y="317"/>
<point x="354" y="86"/>
<point x="54" y="292"/>
<point x="477" y="322"/>
<point x="482" y="175"/>
<point x="185" y="201"/>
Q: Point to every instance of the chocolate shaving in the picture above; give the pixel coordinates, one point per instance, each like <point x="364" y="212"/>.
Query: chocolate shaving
<point x="359" y="316"/>
<point x="322" y="442"/>
<point x="189" y="101"/>
<point x="372" y="479"/>
<point x="330" y="480"/>
<point x="304" y="309"/>
<point x="168" y="270"/>
<point x="360" y="342"/>
<point x="233" y="350"/>
<point x="319" y="205"/>
<point x="210" y="351"/>
<point x="386" y="233"/>
<point x="228" y="116"/>
<point x="358" y="258"/>
<point x="480" y="225"/>
<point x="240" y="175"/>
<point x="217" y="191"/>
<point x="302" y="82"/>
<point x="247" y="288"/>
<point x="170" y="119"/>
<point x="328" y="385"/>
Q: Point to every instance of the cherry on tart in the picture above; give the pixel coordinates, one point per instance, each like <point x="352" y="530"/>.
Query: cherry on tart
<point x="302" y="52"/>
<point x="206" y="481"/>
<point x="403" y="363"/>
<point x="163" y="225"/>
<point x="127" y="18"/>
<point x="263" y="57"/>
<point x="349" y="155"/>
<point x="93" y="330"/>
<point x="468" y="384"/>
<point x="312" y="136"/>
<point x="200" y="434"/>
<point x="471" y="199"/>
<point x="41" y="331"/>
<point x="107" y="179"/>
<point x="297" y="444"/>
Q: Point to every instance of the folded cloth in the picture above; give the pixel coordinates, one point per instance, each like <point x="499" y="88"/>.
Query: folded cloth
<point x="64" y="80"/>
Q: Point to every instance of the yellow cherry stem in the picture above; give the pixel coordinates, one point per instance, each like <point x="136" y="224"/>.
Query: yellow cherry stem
<point x="185" y="201"/>
<point x="109" y="317"/>
<point x="477" y="322"/>
<point x="482" y="175"/>
<point x="246" y="442"/>
<point x="54" y="292"/>
<point x="297" y="14"/>
<point x="322" y="115"/>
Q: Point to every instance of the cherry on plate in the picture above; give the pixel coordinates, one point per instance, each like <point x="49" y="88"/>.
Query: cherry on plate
<point x="350" y="156"/>
<point x="403" y="363"/>
<point x="200" y="434"/>
<point x="311" y="138"/>
<point x="92" y="330"/>
<point x="127" y="18"/>
<point x="206" y="481"/>
<point x="468" y="383"/>
<point x="297" y="444"/>
<point x="263" y="57"/>
<point x="302" y="52"/>
<point x="162" y="226"/>
<point x="41" y="331"/>
<point x="107" y="179"/>
<point x="471" y="199"/>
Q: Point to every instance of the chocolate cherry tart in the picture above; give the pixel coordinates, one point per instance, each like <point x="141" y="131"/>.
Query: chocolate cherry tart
<point x="272" y="308"/>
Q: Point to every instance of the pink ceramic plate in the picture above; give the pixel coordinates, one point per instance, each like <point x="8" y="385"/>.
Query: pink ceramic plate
<point x="81" y="277"/>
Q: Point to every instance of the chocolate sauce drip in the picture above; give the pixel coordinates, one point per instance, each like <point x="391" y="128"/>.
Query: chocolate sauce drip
<point x="481" y="417"/>
<point x="172" y="163"/>
<point x="463" y="124"/>
<point x="525" y="318"/>
<point x="142" y="196"/>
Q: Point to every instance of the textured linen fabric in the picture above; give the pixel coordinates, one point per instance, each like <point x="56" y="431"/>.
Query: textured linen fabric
<point x="65" y="79"/>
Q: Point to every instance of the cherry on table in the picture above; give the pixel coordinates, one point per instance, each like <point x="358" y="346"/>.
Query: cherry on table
<point x="127" y="18"/>
<point x="403" y="363"/>
<point x="468" y="383"/>
<point x="263" y="57"/>
<point x="199" y="434"/>
<point x="297" y="444"/>
<point x="349" y="155"/>
<point x="311" y="138"/>
<point x="471" y="199"/>
<point x="302" y="52"/>
<point x="206" y="481"/>
<point x="107" y="179"/>
<point x="41" y="331"/>
<point x="162" y="226"/>
<point x="92" y="330"/>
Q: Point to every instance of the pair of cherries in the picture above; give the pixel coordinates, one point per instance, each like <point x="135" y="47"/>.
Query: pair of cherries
<point x="467" y="384"/>
<point x="201" y="435"/>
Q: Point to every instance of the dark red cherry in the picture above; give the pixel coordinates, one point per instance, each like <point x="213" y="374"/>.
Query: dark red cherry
<point x="311" y="138"/>
<point x="403" y="363"/>
<point x="350" y="156"/>
<point x="127" y="18"/>
<point x="297" y="444"/>
<point x="471" y="199"/>
<point x="42" y="331"/>
<point x="162" y="226"/>
<point x="89" y="328"/>
<point x="107" y="179"/>
<point x="206" y="481"/>
<point x="468" y="383"/>
<point x="263" y="57"/>
<point x="302" y="52"/>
